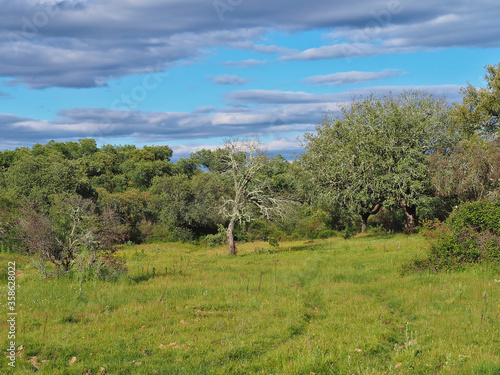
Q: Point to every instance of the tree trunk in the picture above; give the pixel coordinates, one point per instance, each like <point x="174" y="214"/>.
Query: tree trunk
<point x="410" y="217"/>
<point x="230" y="238"/>
<point x="366" y="215"/>
<point x="364" y="221"/>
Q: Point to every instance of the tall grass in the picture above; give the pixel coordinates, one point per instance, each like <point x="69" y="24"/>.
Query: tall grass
<point x="334" y="306"/>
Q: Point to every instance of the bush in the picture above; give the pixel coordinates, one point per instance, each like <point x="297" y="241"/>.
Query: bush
<point x="326" y="233"/>
<point x="470" y="235"/>
<point x="217" y="239"/>
<point x="73" y="233"/>
<point x="390" y="219"/>
<point x="105" y="266"/>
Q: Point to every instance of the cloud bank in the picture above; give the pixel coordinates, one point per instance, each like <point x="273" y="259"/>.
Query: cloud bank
<point x="86" y="43"/>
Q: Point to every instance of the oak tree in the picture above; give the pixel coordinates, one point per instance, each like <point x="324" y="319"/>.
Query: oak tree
<point x="376" y="151"/>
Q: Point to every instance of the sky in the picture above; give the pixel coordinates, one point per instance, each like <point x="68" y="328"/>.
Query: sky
<point x="191" y="73"/>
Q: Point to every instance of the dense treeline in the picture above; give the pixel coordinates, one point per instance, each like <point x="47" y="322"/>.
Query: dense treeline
<point x="391" y="160"/>
<point x="154" y="197"/>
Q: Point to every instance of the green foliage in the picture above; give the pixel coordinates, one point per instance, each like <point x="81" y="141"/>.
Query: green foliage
<point x="391" y="219"/>
<point x="470" y="235"/>
<point x="273" y="242"/>
<point x="479" y="112"/>
<point x="38" y="177"/>
<point x="348" y="232"/>
<point x="377" y="152"/>
<point x="71" y="233"/>
<point x="9" y="214"/>
<point x="68" y="150"/>
<point x="470" y="171"/>
<point x="132" y="206"/>
<point x="7" y="157"/>
<point x="302" y="222"/>
<point x="192" y="204"/>
<point x="338" y="218"/>
<point x="117" y="169"/>
<point x="217" y="239"/>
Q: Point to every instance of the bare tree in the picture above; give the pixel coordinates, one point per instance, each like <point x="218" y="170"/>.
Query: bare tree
<point x="72" y="227"/>
<point x="243" y="162"/>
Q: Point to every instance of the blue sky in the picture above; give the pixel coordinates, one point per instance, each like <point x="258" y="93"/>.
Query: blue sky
<point x="189" y="73"/>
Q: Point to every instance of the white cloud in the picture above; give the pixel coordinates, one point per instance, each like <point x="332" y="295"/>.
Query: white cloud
<point x="244" y="63"/>
<point x="256" y="113"/>
<point x="229" y="80"/>
<point x="86" y="43"/>
<point x="347" y="78"/>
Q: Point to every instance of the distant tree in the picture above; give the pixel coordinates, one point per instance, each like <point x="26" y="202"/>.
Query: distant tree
<point x="186" y="166"/>
<point x="132" y="206"/>
<point x="69" y="150"/>
<point x="39" y="177"/>
<point x="188" y="203"/>
<point x="470" y="171"/>
<point x="242" y="162"/>
<point x="7" y="157"/>
<point x="119" y="168"/>
<point x="376" y="151"/>
<point x="281" y="176"/>
<point x="479" y="112"/>
<point x="212" y="161"/>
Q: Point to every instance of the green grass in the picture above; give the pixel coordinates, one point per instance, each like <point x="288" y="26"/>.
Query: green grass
<point x="330" y="307"/>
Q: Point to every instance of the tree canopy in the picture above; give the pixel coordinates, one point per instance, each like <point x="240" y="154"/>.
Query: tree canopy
<point x="479" y="112"/>
<point x="376" y="151"/>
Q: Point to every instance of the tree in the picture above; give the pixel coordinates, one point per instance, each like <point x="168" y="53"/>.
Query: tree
<point x="39" y="177"/>
<point x="376" y="151"/>
<point x="341" y="160"/>
<point x="188" y="203"/>
<point x="479" y="112"/>
<point x="72" y="228"/>
<point x="470" y="171"/>
<point x="131" y="205"/>
<point x="242" y="162"/>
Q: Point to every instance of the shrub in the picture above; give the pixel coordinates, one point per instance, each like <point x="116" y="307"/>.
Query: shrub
<point x="390" y="219"/>
<point x="470" y="235"/>
<point x="73" y="233"/>
<point x="217" y="239"/>
<point x="105" y="266"/>
<point x="327" y="233"/>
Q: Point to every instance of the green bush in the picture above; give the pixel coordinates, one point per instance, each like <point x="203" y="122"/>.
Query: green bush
<point x="326" y="233"/>
<point x="470" y="235"/>
<point x="390" y="219"/>
<point x="217" y="239"/>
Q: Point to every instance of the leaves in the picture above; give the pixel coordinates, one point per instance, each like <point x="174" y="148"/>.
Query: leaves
<point x="376" y="151"/>
<point x="479" y="112"/>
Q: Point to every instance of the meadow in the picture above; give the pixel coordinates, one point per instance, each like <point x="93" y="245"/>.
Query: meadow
<point x="333" y="306"/>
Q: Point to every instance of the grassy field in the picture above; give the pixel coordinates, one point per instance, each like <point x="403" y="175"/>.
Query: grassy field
<point x="334" y="306"/>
